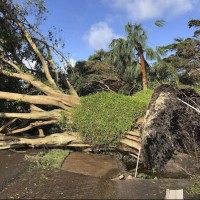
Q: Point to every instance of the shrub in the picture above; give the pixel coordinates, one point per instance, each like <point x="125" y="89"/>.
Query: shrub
<point x="103" y="118"/>
<point x="143" y="96"/>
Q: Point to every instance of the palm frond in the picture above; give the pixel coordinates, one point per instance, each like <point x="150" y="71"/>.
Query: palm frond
<point x="160" y="23"/>
<point x="150" y="53"/>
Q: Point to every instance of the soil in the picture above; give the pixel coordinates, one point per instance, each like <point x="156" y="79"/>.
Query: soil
<point x="17" y="181"/>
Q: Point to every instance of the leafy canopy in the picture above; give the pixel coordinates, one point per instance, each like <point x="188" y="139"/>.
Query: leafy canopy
<point x="92" y="76"/>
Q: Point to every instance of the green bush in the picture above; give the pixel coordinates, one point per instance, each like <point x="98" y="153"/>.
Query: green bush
<point x="143" y="96"/>
<point x="49" y="160"/>
<point x="103" y="118"/>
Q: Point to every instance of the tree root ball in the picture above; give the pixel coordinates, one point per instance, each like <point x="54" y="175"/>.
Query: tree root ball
<point x="170" y="125"/>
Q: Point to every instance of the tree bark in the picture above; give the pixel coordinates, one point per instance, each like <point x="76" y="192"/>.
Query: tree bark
<point x="144" y="70"/>
<point x="67" y="99"/>
<point x="53" y="114"/>
<point x="33" y="125"/>
<point x="68" y="139"/>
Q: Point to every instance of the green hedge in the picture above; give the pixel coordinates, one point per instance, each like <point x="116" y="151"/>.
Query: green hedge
<point x="104" y="117"/>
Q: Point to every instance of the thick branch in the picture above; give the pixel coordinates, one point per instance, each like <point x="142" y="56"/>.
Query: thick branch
<point x="10" y="63"/>
<point x="7" y="124"/>
<point x="57" y="139"/>
<point x="33" y="81"/>
<point x="50" y="60"/>
<point x="36" y="50"/>
<point x="64" y="98"/>
<point x="32" y="125"/>
<point x="54" y="114"/>
<point x="33" y="99"/>
<point x="31" y="43"/>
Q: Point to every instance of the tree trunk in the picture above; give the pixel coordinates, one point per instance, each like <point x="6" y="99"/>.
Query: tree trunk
<point x="144" y="71"/>
<point x="130" y="144"/>
<point x="47" y="101"/>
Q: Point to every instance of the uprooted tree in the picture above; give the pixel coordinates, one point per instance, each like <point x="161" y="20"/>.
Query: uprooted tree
<point x="35" y="97"/>
<point x="41" y="95"/>
<point x="40" y="92"/>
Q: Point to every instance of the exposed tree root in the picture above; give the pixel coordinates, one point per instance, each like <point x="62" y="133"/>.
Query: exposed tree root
<point x="170" y="125"/>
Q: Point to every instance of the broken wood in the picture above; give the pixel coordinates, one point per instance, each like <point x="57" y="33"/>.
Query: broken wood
<point x="67" y="139"/>
<point x="131" y="143"/>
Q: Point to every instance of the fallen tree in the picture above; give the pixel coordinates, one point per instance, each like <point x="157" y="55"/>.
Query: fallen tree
<point x="171" y="124"/>
<point x="44" y="97"/>
<point x="21" y="43"/>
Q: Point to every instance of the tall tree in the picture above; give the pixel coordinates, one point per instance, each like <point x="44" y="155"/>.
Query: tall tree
<point x="127" y="54"/>
<point x="121" y="56"/>
<point x="94" y="75"/>
<point x="184" y="56"/>
<point x="137" y="38"/>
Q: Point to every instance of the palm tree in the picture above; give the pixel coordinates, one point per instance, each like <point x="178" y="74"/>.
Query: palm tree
<point x="122" y="57"/>
<point x="119" y="54"/>
<point x="137" y="37"/>
<point x="126" y="54"/>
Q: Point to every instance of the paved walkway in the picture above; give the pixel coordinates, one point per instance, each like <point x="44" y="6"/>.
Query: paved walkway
<point x="60" y="184"/>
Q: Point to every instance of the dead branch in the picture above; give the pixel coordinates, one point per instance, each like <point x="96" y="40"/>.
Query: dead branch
<point x="7" y="124"/>
<point x="189" y="105"/>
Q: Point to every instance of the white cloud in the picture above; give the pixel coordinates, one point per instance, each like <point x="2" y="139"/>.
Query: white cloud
<point x="100" y="36"/>
<point x="72" y="62"/>
<point x="149" y="9"/>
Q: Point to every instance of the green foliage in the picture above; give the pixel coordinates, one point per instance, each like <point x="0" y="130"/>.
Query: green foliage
<point x="164" y="73"/>
<point x="63" y="121"/>
<point x="92" y="76"/>
<point x="49" y="160"/>
<point x="196" y="24"/>
<point x="194" y="189"/>
<point x="143" y="96"/>
<point x="100" y="55"/>
<point x="103" y="118"/>
<point x="160" y="23"/>
<point x="184" y="58"/>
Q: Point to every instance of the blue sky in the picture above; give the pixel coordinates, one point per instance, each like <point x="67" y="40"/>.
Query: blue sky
<point x="88" y="25"/>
